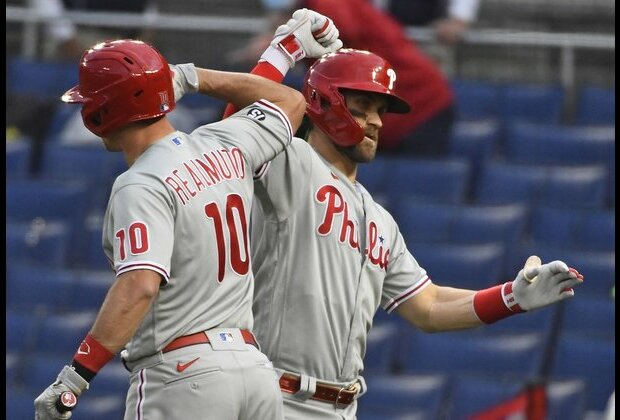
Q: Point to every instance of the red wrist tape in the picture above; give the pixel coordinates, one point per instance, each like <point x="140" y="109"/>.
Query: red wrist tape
<point x="92" y="355"/>
<point x="495" y="303"/>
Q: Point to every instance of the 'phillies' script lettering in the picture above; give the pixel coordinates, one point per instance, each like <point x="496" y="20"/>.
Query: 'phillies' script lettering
<point x="335" y="205"/>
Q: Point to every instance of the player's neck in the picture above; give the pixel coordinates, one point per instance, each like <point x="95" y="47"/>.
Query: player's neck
<point x="325" y="147"/>
<point x="134" y="139"/>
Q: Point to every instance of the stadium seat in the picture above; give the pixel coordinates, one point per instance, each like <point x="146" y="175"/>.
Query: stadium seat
<point x="589" y="358"/>
<point x="592" y="230"/>
<point x="70" y="162"/>
<point x="100" y="407"/>
<point x="566" y="399"/>
<point x="476" y="99"/>
<point x="90" y="288"/>
<point x="91" y="255"/>
<point x="596" y="105"/>
<point x="20" y="402"/>
<point x="31" y="286"/>
<point x="434" y="180"/>
<point x="517" y="354"/>
<point x="40" y="78"/>
<point x="21" y="329"/>
<point x="375" y="175"/>
<point x="39" y="242"/>
<point x="590" y="315"/>
<point x="539" y="103"/>
<point x="542" y="320"/>
<point x="381" y="347"/>
<point x="50" y="200"/>
<point x="417" y="395"/>
<point x="598" y="268"/>
<point x="61" y="334"/>
<point x="568" y="186"/>
<point x="18" y="154"/>
<point x="553" y="144"/>
<point x="112" y="380"/>
<point x="13" y="364"/>
<point x="472" y="393"/>
<point x="465" y="266"/>
<point x="461" y="224"/>
<point x="41" y="370"/>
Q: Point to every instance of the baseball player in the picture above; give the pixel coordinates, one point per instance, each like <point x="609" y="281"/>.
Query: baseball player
<point x="176" y="232"/>
<point x="328" y="256"/>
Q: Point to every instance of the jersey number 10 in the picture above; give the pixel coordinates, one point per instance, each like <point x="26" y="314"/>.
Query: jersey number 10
<point x="239" y="263"/>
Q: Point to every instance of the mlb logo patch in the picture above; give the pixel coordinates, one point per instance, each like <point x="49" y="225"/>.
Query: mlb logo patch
<point x="227" y="337"/>
<point x="176" y="141"/>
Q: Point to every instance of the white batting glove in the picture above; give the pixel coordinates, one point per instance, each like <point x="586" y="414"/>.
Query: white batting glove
<point x="542" y="285"/>
<point x="306" y="34"/>
<point x="62" y="395"/>
<point x="185" y="79"/>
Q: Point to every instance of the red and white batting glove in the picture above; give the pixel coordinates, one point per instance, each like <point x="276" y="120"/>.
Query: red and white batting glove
<point x="306" y="34"/>
<point x="185" y="79"/>
<point x="58" y="399"/>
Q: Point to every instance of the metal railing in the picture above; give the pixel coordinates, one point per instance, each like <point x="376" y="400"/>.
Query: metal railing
<point x="567" y="43"/>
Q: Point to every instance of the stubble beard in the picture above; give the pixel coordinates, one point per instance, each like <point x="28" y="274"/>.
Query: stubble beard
<point x="363" y="152"/>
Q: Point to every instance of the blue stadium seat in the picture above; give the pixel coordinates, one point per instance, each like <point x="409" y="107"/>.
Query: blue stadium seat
<point x="598" y="268"/>
<point x="112" y="380"/>
<point x="592" y="359"/>
<point x="592" y="230"/>
<point x="541" y="320"/>
<point x="54" y="200"/>
<point x="41" y="370"/>
<point x="39" y="242"/>
<point x="381" y="346"/>
<point x="375" y="175"/>
<point x="70" y="162"/>
<point x="435" y="180"/>
<point x="21" y="329"/>
<point x="100" y="407"/>
<point x="465" y="266"/>
<point x="516" y="354"/>
<point x="596" y="105"/>
<point x="554" y="144"/>
<point x="569" y="186"/>
<point x="421" y="396"/>
<point x="31" y="286"/>
<point x="13" y="364"/>
<point x="540" y="103"/>
<point x="566" y="399"/>
<point x="61" y="334"/>
<point x="18" y="154"/>
<point x="476" y="99"/>
<point x="20" y="402"/>
<point x="90" y="289"/>
<point x="40" y="78"/>
<point x="590" y="315"/>
<point x="91" y="255"/>
<point x="460" y="224"/>
<point x="472" y="394"/>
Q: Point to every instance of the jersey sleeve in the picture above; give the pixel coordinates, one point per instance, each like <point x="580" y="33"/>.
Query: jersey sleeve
<point x="404" y="278"/>
<point x="260" y="130"/>
<point x="140" y="228"/>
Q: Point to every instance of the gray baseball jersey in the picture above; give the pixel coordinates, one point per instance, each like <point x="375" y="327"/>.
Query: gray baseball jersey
<point x="182" y="210"/>
<point x="325" y="256"/>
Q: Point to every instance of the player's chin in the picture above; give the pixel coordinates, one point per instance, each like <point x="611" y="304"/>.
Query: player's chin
<point x="366" y="150"/>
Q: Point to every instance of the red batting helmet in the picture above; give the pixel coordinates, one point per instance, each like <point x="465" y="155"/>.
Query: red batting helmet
<point x="121" y="82"/>
<point x="348" y="69"/>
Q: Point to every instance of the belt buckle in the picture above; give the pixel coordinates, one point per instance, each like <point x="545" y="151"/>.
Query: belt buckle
<point x="344" y="388"/>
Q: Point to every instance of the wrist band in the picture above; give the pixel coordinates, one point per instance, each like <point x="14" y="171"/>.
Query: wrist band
<point x="92" y="355"/>
<point x="495" y="303"/>
<point x="277" y="58"/>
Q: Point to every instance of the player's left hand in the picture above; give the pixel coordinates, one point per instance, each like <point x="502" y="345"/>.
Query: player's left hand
<point x="541" y="285"/>
<point x="67" y="387"/>
<point x="185" y="79"/>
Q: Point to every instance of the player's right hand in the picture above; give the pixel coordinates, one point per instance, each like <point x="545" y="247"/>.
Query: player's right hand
<point x="185" y="79"/>
<point x="542" y="285"/>
<point x="306" y="34"/>
<point x="58" y="399"/>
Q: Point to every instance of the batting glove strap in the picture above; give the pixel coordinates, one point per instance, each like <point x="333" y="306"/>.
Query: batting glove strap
<point x="495" y="303"/>
<point x="72" y="380"/>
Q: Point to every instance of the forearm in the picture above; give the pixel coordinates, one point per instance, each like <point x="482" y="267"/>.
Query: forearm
<point x="242" y="89"/>
<point x="124" y="308"/>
